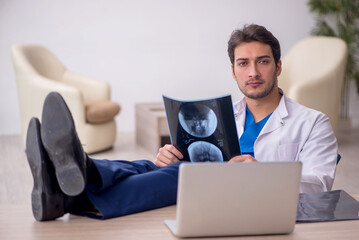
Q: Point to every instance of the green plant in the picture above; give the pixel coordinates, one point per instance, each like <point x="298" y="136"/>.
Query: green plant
<point x="340" y="18"/>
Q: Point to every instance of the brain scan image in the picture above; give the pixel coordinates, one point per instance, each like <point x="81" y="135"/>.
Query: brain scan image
<point x="197" y="119"/>
<point x="201" y="151"/>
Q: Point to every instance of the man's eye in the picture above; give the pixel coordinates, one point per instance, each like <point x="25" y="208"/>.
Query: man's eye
<point x="242" y="64"/>
<point x="264" y="61"/>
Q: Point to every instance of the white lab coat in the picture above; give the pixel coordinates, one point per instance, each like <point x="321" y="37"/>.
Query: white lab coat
<point x="296" y="133"/>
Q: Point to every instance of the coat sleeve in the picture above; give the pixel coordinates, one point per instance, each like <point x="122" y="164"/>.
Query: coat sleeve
<point x="319" y="157"/>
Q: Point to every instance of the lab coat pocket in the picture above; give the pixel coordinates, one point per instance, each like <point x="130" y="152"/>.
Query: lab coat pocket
<point x="287" y="152"/>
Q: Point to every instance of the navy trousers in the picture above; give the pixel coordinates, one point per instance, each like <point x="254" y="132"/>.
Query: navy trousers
<point x="132" y="186"/>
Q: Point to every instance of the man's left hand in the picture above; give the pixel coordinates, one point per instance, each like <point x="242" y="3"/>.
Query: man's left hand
<point x="243" y="158"/>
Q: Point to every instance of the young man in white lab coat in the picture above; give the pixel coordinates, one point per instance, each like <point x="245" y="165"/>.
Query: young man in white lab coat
<point x="271" y="128"/>
<point x="291" y="132"/>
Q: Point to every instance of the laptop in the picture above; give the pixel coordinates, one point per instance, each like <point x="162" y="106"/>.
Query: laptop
<point x="229" y="199"/>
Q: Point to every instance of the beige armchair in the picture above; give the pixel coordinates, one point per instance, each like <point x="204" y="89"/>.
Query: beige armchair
<point x="39" y="72"/>
<point x="313" y="74"/>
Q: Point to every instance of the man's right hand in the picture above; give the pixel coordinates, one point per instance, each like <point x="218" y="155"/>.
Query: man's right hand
<point x="167" y="155"/>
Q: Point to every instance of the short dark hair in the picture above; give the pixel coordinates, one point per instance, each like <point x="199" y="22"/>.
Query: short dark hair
<point x="253" y="33"/>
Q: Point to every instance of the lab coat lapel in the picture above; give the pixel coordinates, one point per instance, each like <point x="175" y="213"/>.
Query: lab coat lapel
<point x="277" y="119"/>
<point x="240" y="116"/>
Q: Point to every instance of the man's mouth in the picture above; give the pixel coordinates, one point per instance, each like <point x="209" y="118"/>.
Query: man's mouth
<point x="254" y="83"/>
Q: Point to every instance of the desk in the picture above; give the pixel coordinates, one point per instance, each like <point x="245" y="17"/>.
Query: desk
<point x="17" y="222"/>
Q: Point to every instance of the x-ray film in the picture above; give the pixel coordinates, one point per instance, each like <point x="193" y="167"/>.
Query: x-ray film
<point x="203" y="130"/>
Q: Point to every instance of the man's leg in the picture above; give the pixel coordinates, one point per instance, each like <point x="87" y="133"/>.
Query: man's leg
<point x="131" y="187"/>
<point x="74" y="170"/>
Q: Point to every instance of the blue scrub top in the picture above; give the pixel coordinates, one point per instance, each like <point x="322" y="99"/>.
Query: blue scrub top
<point x="251" y="132"/>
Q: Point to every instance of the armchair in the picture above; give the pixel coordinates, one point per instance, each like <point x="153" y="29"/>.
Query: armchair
<point x="39" y="72"/>
<point x="313" y="73"/>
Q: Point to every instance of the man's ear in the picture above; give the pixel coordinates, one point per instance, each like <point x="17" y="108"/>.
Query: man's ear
<point x="279" y="68"/>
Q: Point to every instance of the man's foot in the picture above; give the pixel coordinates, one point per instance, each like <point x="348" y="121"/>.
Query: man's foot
<point x="46" y="198"/>
<point x="63" y="146"/>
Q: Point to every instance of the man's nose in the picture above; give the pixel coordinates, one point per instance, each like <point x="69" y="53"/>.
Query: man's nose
<point x="253" y="71"/>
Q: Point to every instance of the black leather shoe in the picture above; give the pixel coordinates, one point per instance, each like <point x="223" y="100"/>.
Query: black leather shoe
<point x="46" y="198"/>
<point x="63" y="146"/>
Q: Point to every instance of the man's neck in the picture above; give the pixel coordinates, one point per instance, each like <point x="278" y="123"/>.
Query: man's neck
<point x="260" y="108"/>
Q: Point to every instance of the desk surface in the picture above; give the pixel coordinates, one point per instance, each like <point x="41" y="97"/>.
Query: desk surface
<point x="17" y="222"/>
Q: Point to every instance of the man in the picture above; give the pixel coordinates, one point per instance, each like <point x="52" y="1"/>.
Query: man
<point x="271" y="128"/>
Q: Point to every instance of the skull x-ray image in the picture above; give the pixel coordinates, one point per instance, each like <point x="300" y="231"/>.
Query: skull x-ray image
<point x="203" y="130"/>
<point x="197" y="119"/>
<point x="201" y="151"/>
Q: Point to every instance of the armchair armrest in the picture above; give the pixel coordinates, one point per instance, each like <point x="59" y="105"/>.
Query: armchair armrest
<point x="41" y="86"/>
<point x="33" y="90"/>
<point x="92" y="89"/>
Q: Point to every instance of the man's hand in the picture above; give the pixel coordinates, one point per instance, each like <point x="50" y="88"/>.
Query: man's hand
<point x="167" y="155"/>
<point x="243" y="158"/>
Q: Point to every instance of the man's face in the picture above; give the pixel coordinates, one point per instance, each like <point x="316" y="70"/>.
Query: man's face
<point x="254" y="70"/>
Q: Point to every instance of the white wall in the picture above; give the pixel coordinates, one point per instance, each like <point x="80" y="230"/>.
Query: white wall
<point x="142" y="48"/>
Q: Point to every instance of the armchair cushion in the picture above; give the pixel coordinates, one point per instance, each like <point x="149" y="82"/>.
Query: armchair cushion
<point x="102" y="111"/>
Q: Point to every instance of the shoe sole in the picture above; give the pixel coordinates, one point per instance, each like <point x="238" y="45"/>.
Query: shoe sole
<point x="46" y="199"/>
<point x="61" y="143"/>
